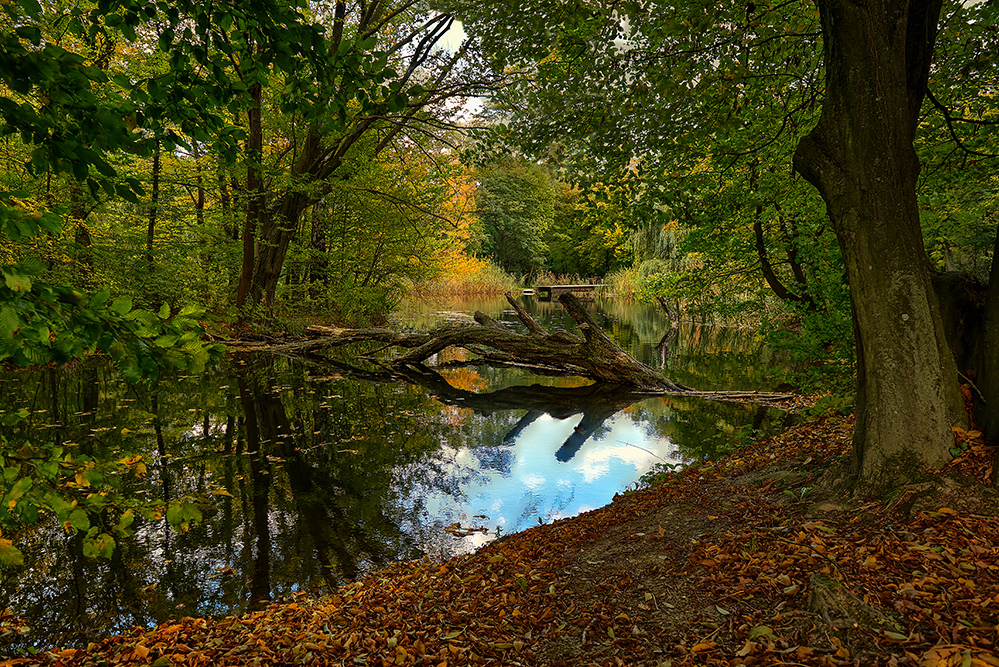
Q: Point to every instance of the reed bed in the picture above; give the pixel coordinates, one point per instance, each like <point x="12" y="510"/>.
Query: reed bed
<point x="486" y="281"/>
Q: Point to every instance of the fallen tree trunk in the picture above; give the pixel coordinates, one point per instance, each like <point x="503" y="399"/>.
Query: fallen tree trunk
<point x="593" y="354"/>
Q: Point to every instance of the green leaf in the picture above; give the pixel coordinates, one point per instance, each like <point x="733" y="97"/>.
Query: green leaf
<point x="21" y="487"/>
<point x="9" y="321"/>
<point x="122" y="305"/>
<point x="398" y="102"/>
<point x="191" y="309"/>
<point x="17" y="282"/>
<point x="174" y="513"/>
<point x="99" y="298"/>
<point x="104" y="544"/>
<point x="94" y="476"/>
<point x="124" y="523"/>
<point x="90" y="548"/>
<point x="31" y="266"/>
<point x="78" y="519"/>
<point x="61" y="506"/>
<point x="126" y="193"/>
<point x="165" y="341"/>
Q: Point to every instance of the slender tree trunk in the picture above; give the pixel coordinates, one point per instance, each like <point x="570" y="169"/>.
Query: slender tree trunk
<point x="199" y="201"/>
<point x="83" y="266"/>
<point x="199" y="212"/>
<point x="225" y="199"/>
<point x="254" y="194"/>
<point x="319" y="263"/>
<point x="860" y="157"/>
<point x="154" y="205"/>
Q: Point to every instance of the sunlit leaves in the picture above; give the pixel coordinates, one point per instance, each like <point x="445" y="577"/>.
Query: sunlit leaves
<point x="10" y="556"/>
<point x="79" y="520"/>
<point x="40" y="323"/>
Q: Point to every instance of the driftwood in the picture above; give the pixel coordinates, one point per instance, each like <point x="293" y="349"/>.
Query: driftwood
<point x="589" y="353"/>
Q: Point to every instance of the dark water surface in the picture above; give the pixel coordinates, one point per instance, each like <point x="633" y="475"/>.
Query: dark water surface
<point x="317" y="476"/>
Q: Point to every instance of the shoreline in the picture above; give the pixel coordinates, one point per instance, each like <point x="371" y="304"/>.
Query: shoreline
<point x="754" y="559"/>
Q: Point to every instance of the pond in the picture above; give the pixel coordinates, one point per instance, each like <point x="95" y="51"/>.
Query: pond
<point x="319" y="472"/>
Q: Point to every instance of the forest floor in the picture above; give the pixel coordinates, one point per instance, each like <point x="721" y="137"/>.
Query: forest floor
<point x="754" y="559"/>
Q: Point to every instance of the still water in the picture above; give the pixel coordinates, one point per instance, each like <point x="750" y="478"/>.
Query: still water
<point x="317" y="471"/>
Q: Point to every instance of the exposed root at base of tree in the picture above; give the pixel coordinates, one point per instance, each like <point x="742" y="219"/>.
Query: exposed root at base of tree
<point x="721" y="564"/>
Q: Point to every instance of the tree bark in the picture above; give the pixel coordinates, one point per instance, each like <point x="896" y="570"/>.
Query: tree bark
<point x="254" y="196"/>
<point x="987" y="410"/>
<point x="277" y="228"/>
<point x="860" y="157"/>
<point x="154" y="205"/>
<point x="83" y="264"/>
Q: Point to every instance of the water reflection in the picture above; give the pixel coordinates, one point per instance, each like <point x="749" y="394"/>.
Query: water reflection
<point x="319" y="471"/>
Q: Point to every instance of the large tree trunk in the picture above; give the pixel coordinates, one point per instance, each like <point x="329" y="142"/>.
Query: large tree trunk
<point x="860" y="156"/>
<point x="276" y="232"/>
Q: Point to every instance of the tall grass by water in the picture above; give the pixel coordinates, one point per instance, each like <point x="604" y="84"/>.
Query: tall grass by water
<point x="549" y="278"/>
<point x="624" y="282"/>
<point x="487" y="279"/>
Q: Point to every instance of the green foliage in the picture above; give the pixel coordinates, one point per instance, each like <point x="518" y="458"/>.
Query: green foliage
<point x="819" y="346"/>
<point x="42" y="323"/>
<point x="588" y="236"/>
<point x="699" y="125"/>
<point x="660" y="473"/>
<point x="654" y="280"/>
<point x="379" y="230"/>
<point x="516" y="206"/>
<point x="959" y="211"/>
